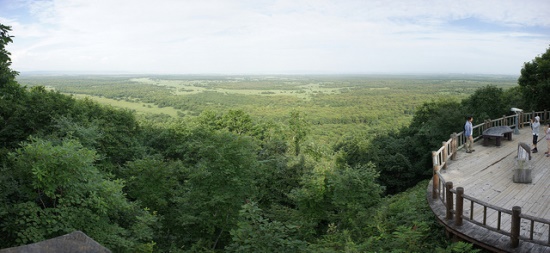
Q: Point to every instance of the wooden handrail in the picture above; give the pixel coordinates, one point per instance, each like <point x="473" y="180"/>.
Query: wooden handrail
<point x="534" y="220"/>
<point x="444" y="191"/>
<point x="456" y="207"/>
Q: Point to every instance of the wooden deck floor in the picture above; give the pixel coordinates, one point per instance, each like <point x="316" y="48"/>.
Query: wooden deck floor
<point x="487" y="173"/>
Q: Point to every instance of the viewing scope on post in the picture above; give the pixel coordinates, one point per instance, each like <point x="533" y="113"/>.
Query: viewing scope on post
<point x="517" y="111"/>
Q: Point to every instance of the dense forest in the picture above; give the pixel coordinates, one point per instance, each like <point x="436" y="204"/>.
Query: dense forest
<point x="222" y="176"/>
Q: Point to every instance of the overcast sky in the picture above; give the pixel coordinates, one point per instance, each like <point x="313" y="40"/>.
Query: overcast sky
<point x="277" y="37"/>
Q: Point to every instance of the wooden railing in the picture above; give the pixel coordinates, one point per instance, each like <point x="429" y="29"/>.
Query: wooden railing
<point x="507" y="222"/>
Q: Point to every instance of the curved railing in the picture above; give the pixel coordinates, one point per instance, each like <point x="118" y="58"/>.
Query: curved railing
<point x="507" y="222"/>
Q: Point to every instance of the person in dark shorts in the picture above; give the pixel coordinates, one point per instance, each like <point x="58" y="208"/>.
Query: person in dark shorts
<point x="535" y="127"/>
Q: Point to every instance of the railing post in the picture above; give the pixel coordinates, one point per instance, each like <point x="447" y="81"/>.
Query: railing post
<point x="515" y="226"/>
<point x="503" y="121"/>
<point x="520" y="118"/>
<point x="459" y="205"/>
<point x="486" y="125"/>
<point x="435" y="183"/>
<point x="450" y="204"/>
<point x="435" y="178"/>
<point x="444" y="155"/>
<point x="516" y="122"/>
<point x="454" y="145"/>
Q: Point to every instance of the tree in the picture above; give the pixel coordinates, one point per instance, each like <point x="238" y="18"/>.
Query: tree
<point x="486" y="103"/>
<point x="152" y="181"/>
<point x="255" y="233"/>
<point x="12" y="95"/>
<point x="236" y="121"/>
<point x="354" y="194"/>
<point x="220" y="175"/>
<point x="433" y="122"/>
<point x="299" y="129"/>
<point x="513" y="97"/>
<point x="7" y="76"/>
<point x="535" y="82"/>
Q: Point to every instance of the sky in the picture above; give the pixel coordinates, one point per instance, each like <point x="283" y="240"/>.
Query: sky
<point x="276" y="36"/>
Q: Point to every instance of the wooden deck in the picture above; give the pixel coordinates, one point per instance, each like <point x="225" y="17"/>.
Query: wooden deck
<point x="486" y="175"/>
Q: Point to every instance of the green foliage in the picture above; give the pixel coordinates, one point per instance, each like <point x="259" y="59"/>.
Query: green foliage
<point x="11" y="95"/>
<point x="401" y="157"/>
<point x="119" y="139"/>
<point x="87" y="133"/>
<point x="236" y="121"/>
<point x="299" y="129"/>
<point x="43" y="107"/>
<point x="312" y="198"/>
<point x="436" y="120"/>
<point x="513" y="97"/>
<point x="36" y="112"/>
<point x="59" y="190"/>
<point x="355" y="192"/>
<point x="400" y="223"/>
<point x="403" y="160"/>
<point x="255" y="233"/>
<point x="335" y="240"/>
<point x="113" y="133"/>
<point x="7" y="76"/>
<point x="459" y="247"/>
<point x="152" y="180"/>
<point x="342" y="196"/>
<point x="486" y="103"/>
<point x="218" y="174"/>
<point x="535" y="82"/>
<point x="53" y="169"/>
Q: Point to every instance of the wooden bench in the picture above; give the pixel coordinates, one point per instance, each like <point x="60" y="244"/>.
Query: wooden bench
<point x="497" y="132"/>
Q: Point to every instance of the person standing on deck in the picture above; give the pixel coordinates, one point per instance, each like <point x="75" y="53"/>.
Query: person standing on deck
<point x="535" y="126"/>
<point x="468" y="133"/>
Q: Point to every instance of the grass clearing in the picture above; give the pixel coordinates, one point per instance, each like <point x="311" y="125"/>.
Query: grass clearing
<point x="188" y="87"/>
<point x="142" y="108"/>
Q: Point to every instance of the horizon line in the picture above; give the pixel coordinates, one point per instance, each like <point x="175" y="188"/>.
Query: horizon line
<point x="77" y="72"/>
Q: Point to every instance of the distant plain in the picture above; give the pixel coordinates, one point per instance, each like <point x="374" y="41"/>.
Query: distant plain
<point x="334" y="105"/>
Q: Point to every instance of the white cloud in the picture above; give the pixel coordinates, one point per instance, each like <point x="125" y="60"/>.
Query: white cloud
<point x="278" y="36"/>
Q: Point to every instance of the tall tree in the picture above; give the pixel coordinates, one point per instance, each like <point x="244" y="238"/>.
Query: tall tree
<point x="7" y="76"/>
<point x="535" y="81"/>
<point x="11" y="93"/>
<point x="486" y="103"/>
<point x="220" y="170"/>
<point x="299" y="129"/>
